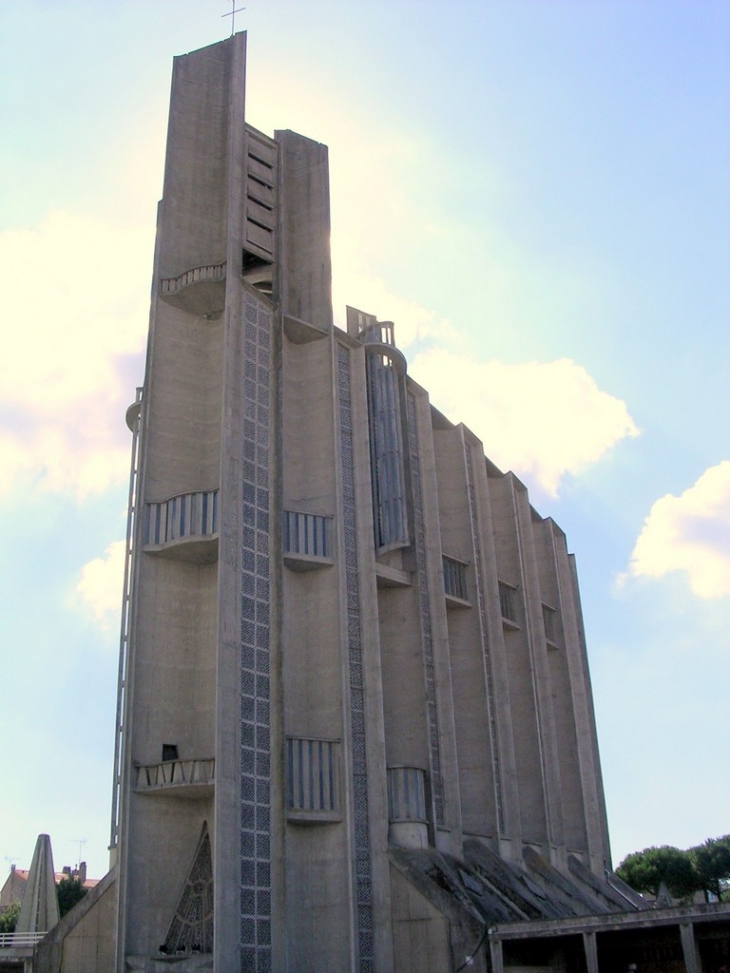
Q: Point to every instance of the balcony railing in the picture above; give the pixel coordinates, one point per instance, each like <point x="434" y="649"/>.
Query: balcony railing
<point x="379" y="333"/>
<point x="186" y="516"/>
<point x="211" y="273"/>
<point x="171" y="774"/>
<point x="20" y="940"/>
<point x="200" y="291"/>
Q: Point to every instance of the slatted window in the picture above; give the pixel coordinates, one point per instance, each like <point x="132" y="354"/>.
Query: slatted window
<point x="406" y="794"/>
<point x="311" y="778"/>
<point x="508" y="601"/>
<point x="306" y="534"/>
<point x="386" y="449"/>
<point x="455" y="578"/>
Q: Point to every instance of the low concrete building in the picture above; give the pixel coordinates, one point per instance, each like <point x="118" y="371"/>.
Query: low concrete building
<point x="693" y="938"/>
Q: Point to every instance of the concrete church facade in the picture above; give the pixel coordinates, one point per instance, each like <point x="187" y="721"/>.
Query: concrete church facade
<point x="355" y="727"/>
<point x="352" y="648"/>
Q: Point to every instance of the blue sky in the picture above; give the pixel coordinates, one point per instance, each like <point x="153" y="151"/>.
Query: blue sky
<point x="537" y="193"/>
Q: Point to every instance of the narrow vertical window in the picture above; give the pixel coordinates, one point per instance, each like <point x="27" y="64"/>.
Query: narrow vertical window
<point x="550" y="623"/>
<point x="455" y="578"/>
<point x="507" y="602"/>
<point x="386" y="449"/>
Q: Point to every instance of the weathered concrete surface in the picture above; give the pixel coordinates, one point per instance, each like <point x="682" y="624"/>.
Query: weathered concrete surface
<point x="83" y="940"/>
<point x="39" y="909"/>
<point x="356" y="661"/>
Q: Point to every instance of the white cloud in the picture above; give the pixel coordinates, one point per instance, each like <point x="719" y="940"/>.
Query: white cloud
<point x="368" y="293"/>
<point x="544" y="420"/>
<point x="101" y="584"/>
<point x="690" y="533"/>
<point x="76" y="309"/>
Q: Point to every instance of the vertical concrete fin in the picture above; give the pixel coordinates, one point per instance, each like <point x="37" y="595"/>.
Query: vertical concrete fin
<point x="305" y="266"/>
<point x="690" y="952"/>
<point x="39" y="911"/>
<point x="193" y="231"/>
<point x="591" y="951"/>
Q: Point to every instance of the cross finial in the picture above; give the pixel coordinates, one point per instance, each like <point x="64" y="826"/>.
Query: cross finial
<point x="232" y="15"/>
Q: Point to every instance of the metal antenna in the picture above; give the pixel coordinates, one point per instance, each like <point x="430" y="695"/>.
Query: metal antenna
<point x="80" y="842"/>
<point x="234" y="10"/>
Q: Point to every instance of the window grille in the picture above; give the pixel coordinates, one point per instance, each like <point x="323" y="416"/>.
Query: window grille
<point x="306" y="534"/>
<point x="311" y="775"/>
<point x="455" y="578"/>
<point x="386" y="449"/>
<point x="507" y="602"/>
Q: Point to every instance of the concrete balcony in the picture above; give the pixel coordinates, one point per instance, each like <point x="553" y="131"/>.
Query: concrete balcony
<point x="184" y="527"/>
<point x="134" y="411"/>
<point x="407" y="807"/>
<point x="200" y="291"/>
<point x="307" y="543"/>
<point x="190" y="779"/>
<point x="379" y="338"/>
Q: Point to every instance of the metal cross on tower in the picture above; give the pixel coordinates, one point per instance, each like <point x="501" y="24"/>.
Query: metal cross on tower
<point x="234" y="10"/>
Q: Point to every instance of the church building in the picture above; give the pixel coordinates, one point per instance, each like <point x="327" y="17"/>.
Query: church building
<point x="355" y="730"/>
<point x="353" y="653"/>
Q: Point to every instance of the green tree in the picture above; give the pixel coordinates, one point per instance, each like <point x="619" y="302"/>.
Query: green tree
<point x="69" y="891"/>
<point x="646" y="870"/>
<point x="9" y="917"/>
<point x="712" y="863"/>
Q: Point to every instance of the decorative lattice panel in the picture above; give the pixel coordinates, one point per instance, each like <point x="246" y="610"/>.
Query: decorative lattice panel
<point x="255" y="850"/>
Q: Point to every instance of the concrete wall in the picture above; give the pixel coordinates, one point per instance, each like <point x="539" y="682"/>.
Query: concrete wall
<point x="195" y="199"/>
<point x="471" y="702"/>
<point x="83" y="941"/>
<point x="421" y="936"/>
<point x="317" y="852"/>
<point x="182" y="406"/>
<point x="172" y="693"/>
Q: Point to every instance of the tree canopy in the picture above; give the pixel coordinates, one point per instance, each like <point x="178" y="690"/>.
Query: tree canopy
<point x="712" y="863"/>
<point x="646" y="870"/>
<point x="9" y="917"/>
<point x="69" y="892"/>
<point x="705" y="868"/>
